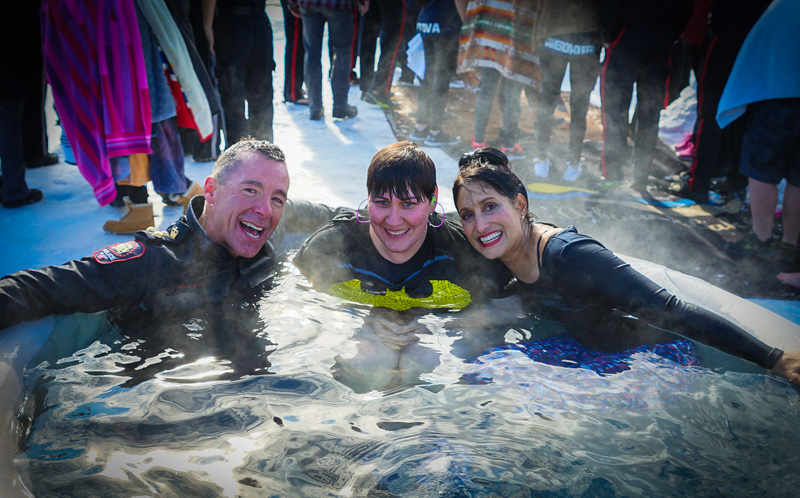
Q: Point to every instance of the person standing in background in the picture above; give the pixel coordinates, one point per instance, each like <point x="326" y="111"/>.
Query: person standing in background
<point x="566" y="32"/>
<point x="496" y="43"/>
<point x="763" y="88"/>
<point x="293" y="58"/>
<point x="439" y="25"/>
<point x="21" y="94"/>
<point x="409" y="31"/>
<point x="338" y="15"/>
<point x="717" y="151"/>
<point x="638" y="38"/>
<point x="35" y="148"/>
<point x="239" y="34"/>
<point x="392" y="15"/>
<point x="691" y="45"/>
<point x="367" y="33"/>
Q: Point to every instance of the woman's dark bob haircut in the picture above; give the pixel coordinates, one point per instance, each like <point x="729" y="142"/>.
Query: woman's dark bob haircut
<point x="402" y="170"/>
<point x="489" y="166"/>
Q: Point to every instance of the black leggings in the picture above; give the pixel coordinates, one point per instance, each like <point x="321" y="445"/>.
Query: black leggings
<point x="582" y="75"/>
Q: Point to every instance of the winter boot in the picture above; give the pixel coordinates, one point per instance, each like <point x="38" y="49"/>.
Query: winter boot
<point x="137" y="217"/>
<point x="184" y="198"/>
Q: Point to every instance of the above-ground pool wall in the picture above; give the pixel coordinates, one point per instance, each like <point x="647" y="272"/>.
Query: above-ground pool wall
<point x="18" y="345"/>
<point x="11" y="484"/>
<point x="762" y="323"/>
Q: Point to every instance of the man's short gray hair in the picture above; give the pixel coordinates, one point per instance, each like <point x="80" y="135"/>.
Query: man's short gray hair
<point x="229" y="159"/>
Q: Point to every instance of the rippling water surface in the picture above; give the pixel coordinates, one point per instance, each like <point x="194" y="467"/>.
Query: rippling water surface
<point x="249" y="406"/>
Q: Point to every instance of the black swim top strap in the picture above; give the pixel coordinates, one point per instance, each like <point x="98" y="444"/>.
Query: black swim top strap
<point x="538" y="249"/>
<point x="539" y="243"/>
<point x="538" y="260"/>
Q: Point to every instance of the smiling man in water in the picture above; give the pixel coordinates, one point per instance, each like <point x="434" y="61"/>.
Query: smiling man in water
<point x="226" y="242"/>
<point x="244" y="197"/>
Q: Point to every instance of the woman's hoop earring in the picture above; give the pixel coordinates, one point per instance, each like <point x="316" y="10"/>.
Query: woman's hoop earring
<point x="359" y="209"/>
<point x="442" y="222"/>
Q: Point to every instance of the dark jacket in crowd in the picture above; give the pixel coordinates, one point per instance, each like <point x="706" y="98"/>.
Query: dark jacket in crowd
<point x="619" y="14"/>
<point x="439" y="18"/>
<point x="735" y="17"/>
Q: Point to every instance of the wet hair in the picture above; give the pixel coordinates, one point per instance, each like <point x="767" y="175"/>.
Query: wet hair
<point x="489" y="166"/>
<point x="490" y="154"/>
<point x="402" y="170"/>
<point x="229" y="159"/>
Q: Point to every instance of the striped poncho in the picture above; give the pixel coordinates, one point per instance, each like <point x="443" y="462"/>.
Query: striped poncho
<point x="497" y="34"/>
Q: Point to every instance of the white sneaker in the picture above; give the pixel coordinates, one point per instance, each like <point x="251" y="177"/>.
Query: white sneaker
<point x="542" y="167"/>
<point x="572" y="172"/>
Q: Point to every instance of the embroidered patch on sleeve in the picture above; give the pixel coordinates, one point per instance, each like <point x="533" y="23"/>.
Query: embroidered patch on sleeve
<point x="122" y="251"/>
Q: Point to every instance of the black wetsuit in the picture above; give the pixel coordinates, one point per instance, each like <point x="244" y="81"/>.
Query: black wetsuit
<point x="577" y="272"/>
<point x="178" y="268"/>
<point x="445" y="273"/>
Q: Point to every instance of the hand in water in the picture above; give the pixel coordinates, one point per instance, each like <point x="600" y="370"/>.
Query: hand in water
<point x="496" y="312"/>
<point x="788" y="366"/>
<point x="396" y="336"/>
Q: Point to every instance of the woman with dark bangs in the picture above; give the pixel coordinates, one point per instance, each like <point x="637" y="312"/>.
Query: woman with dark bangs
<point x="400" y="256"/>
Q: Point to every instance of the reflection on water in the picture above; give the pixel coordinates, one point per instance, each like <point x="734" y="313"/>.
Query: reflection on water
<point x="243" y="403"/>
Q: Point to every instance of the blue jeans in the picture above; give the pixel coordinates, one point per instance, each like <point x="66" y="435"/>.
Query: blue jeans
<point x="340" y="41"/>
